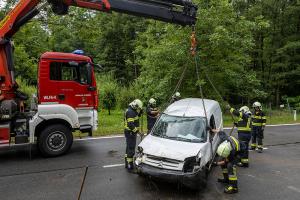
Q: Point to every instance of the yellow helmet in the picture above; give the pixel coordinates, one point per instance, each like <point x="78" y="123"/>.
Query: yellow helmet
<point x="257" y="105"/>
<point x="224" y="149"/>
<point x="152" y="101"/>
<point x="245" y="109"/>
<point x="137" y="104"/>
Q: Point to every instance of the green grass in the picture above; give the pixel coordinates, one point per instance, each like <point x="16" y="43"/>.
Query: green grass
<point x="113" y="124"/>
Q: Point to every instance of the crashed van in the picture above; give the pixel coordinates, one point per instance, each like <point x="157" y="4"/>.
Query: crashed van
<point x="180" y="146"/>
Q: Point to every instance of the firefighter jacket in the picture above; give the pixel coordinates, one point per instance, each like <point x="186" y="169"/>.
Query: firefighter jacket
<point x="259" y="119"/>
<point x="151" y="118"/>
<point x="131" y="120"/>
<point x="244" y="121"/>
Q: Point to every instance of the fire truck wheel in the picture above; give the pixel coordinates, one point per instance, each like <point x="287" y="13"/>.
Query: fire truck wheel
<point x="55" y="140"/>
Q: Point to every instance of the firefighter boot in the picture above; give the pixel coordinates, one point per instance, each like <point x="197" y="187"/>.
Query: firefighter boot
<point x="253" y="146"/>
<point x="230" y="190"/>
<point x="131" y="168"/>
<point x="232" y="187"/>
<point x="259" y="149"/>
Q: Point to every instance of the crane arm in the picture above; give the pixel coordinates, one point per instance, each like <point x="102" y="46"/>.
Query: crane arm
<point x="182" y="12"/>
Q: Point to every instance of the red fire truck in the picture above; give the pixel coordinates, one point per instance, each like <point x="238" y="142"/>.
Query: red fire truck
<point x="67" y="95"/>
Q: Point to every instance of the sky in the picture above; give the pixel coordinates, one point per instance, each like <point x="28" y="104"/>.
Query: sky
<point x="2" y="3"/>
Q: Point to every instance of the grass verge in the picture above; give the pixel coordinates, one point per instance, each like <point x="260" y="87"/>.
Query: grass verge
<point x="113" y="124"/>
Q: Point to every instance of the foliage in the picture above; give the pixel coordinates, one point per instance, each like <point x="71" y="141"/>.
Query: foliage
<point x="27" y="89"/>
<point x="108" y="89"/>
<point x="249" y="49"/>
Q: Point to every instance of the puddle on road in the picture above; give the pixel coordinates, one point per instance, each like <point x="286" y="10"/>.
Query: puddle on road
<point x="112" y="153"/>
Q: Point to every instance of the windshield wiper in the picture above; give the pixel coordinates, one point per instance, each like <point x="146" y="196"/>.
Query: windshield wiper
<point x="158" y="135"/>
<point x="184" y="139"/>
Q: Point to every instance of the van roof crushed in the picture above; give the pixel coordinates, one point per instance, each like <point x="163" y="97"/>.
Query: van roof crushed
<point x="191" y="107"/>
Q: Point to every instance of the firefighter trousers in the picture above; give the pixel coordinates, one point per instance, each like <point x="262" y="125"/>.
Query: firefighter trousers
<point x="257" y="135"/>
<point x="229" y="173"/>
<point x="130" y="146"/>
<point x="244" y="139"/>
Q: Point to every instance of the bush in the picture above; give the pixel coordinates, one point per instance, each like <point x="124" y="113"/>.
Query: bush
<point x="108" y="90"/>
<point x="127" y="95"/>
<point x="27" y="89"/>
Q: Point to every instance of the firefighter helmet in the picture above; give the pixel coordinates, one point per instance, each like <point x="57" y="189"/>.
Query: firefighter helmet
<point x="224" y="149"/>
<point x="245" y="109"/>
<point x="152" y="102"/>
<point x="137" y="104"/>
<point x="257" y="105"/>
<point x="177" y="95"/>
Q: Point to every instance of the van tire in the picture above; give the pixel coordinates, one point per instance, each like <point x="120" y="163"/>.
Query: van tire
<point x="55" y="140"/>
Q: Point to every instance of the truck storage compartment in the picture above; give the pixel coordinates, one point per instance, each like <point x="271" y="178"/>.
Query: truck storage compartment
<point x="4" y="133"/>
<point x="21" y="130"/>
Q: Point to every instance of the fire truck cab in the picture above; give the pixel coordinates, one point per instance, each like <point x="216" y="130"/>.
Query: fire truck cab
<point x="67" y="101"/>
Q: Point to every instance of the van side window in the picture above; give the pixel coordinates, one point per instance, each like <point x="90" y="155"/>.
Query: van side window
<point x="212" y="122"/>
<point x="212" y="125"/>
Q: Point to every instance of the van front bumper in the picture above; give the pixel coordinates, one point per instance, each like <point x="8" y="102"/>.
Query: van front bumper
<point x="193" y="180"/>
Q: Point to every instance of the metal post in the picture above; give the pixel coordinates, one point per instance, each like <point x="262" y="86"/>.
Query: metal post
<point x="295" y="115"/>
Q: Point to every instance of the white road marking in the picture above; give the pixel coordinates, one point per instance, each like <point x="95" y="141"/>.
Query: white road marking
<point x="122" y="136"/>
<point x="115" y="165"/>
<point x="100" y="138"/>
<point x="293" y="188"/>
<point x="263" y="149"/>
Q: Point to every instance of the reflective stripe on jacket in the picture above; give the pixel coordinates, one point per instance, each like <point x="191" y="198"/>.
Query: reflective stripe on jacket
<point x="259" y="119"/>
<point x="235" y="148"/>
<point x="131" y="120"/>
<point x="244" y="121"/>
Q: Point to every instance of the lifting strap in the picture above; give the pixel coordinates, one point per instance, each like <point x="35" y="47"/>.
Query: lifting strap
<point x="194" y="54"/>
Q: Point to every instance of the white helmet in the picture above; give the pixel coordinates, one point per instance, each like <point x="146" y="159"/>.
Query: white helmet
<point x="152" y="101"/>
<point x="257" y="105"/>
<point x="137" y="104"/>
<point x="245" y="109"/>
<point x="224" y="149"/>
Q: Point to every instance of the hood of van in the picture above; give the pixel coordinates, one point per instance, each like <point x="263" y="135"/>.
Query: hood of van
<point x="167" y="148"/>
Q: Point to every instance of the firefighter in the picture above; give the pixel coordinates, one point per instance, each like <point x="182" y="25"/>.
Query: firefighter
<point x="258" y="125"/>
<point x="152" y="114"/>
<point x="244" y="132"/>
<point x="131" y="129"/>
<point x="228" y="150"/>
<point x="176" y="97"/>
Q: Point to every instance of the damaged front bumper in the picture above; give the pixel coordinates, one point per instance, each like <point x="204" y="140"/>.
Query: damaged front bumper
<point x="193" y="180"/>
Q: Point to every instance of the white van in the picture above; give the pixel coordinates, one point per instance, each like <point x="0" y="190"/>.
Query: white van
<point x="180" y="146"/>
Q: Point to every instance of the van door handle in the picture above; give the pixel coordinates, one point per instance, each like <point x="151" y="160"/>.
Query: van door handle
<point x="61" y="96"/>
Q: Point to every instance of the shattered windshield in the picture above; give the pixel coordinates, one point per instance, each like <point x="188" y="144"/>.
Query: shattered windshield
<point x="189" y="129"/>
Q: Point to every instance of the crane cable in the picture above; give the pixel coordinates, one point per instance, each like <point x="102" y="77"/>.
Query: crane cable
<point x="194" y="54"/>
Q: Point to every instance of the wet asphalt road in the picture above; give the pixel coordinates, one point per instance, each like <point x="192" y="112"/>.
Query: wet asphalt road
<point x="275" y="174"/>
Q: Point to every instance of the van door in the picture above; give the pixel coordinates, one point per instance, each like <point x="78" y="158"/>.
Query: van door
<point x="217" y="122"/>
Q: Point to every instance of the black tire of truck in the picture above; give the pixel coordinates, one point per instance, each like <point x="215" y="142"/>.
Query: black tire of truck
<point x="55" y="140"/>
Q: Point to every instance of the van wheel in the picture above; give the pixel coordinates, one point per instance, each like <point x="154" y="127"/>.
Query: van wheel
<point x="55" y="140"/>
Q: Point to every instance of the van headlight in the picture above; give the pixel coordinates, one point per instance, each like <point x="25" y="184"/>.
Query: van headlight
<point x="190" y="164"/>
<point x="139" y="156"/>
<point x="140" y="149"/>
